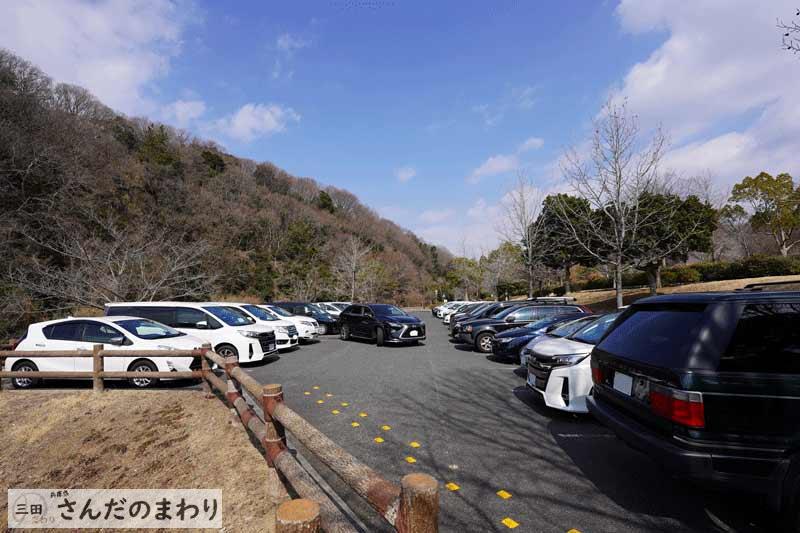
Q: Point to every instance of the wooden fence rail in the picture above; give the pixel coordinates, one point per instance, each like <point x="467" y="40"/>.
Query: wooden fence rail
<point x="410" y="507"/>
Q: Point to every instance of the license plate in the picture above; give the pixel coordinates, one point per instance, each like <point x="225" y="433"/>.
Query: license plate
<point x="413" y="333"/>
<point x="623" y="383"/>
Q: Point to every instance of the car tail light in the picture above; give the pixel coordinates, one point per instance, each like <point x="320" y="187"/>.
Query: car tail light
<point x="682" y="407"/>
<point x="597" y="375"/>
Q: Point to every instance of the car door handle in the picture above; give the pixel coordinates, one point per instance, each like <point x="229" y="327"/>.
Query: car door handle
<point x="40" y="345"/>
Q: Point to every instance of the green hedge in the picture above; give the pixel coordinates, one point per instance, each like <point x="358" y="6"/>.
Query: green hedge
<point x="756" y="266"/>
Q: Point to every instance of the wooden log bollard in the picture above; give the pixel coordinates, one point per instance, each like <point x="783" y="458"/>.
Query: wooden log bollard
<point x="275" y="442"/>
<point x="298" y="516"/>
<point x="97" y="368"/>
<point x="419" y="504"/>
<point x="207" y="392"/>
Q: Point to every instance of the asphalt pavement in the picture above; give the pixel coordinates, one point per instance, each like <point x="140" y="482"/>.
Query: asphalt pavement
<point x="503" y="459"/>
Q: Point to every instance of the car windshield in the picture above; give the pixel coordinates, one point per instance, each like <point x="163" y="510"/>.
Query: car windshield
<point x="505" y="312"/>
<point x="279" y="310"/>
<point x="387" y="310"/>
<point x="571" y="327"/>
<point x="543" y="322"/>
<point x="592" y="333"/>
<point x="148" y="330"/>
<point x="259" y="312"/>
<point x="230" y="315"/>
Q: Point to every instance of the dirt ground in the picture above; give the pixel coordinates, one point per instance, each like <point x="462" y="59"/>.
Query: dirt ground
<point x="134" y="439"/>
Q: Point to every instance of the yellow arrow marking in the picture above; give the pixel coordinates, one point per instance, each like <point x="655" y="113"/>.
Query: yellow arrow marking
<point x="378" y="439"/>
<point x="410" y="460"/>
<point x="452" y="486"/>
<point x="329" y="395"/>
<point x="414" y="444"/>
<point x="315" y="387"/>
<point x="344" y="404"/>
<point x="320" y="402"/>
<point x="355" y="424"/>
<point x="386" y="428"/>
<point x="307" y="393"/>
<point x="509" y="523"/>
<point x="503" y="494"/>
<point x="573" y="530"/>
<point x="336" y="411"/>
<point x="362" y="415"/>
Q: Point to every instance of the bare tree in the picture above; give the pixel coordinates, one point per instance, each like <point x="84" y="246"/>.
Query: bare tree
<point x="349" y="262"/>
<point x="523" y="225"/>
<point x="110" y="264"/>
<point x="791" y="34"/>
<point x="613" y="178"/>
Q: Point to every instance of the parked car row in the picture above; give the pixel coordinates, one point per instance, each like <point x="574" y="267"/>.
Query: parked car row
<point x="248" y="331"/>
<point x="706" y="384"/>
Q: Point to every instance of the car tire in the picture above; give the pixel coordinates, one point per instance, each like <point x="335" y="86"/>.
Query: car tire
<point x="227" y="350"/>
<point x="483" y="342"/>
<point x="344" y="333"/>
<point x="379" y="340"/>
<point x="24" y="383"/>
<point x="143" y="365"/>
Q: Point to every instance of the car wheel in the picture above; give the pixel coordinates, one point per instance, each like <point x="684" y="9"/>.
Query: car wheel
<point x="143" y="366"/>
<point x="344" y="333"/>
<point x="24" y="383"/>
<point x="379" y="336"/>
<point x="484" y="343"/>
<point x="227" y="350"/>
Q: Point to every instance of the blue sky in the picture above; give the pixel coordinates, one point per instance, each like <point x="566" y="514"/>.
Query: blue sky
<point x="427" y="110"/>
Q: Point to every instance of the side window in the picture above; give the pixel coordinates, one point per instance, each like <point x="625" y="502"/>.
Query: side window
<point x="526" y="314"/>
<point x="158" y="314"/>
<point x="367" y="311"/>
<point x="186" y="317"/>
<point x="65" y="331"/>
<point x="99" y="333"/>
<point x="767" y="339"/>
<point x="353" y="310"/>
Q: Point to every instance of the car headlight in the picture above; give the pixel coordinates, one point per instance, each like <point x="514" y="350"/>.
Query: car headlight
<point x="468" y="329"/>
<point x="283" y="329"/>
<point x="569" y="359"/>
<point x="309" y="324"/>
<point x="394" y="325"/>
<point x="251" y="334"/>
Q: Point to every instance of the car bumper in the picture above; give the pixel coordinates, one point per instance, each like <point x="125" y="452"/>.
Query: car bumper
<point x="465" y="338"/>
<point x="506" y="351"/>
<point x="567" y="387"/>
<point x="287" y="342"/>
<point x="719" y="470"/>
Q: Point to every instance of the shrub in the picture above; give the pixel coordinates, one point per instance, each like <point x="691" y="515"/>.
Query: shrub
<point x="680" y="274"/>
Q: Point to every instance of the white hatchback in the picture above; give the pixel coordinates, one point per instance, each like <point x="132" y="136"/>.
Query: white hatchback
<point x="115" y="333"/>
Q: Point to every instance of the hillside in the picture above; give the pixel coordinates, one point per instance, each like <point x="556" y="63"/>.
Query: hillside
<point x="96" y="207"/>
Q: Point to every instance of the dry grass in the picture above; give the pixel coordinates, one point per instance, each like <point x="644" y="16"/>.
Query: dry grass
<point x="603" y="300"/>
<point x="135" y="439"/>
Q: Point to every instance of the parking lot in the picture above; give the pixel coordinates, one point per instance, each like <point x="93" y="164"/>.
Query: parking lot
<point x="470" y="422"/>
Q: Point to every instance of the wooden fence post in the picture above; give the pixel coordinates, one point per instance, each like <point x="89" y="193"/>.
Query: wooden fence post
<point x="233" y="387"/>
<point x="207" y="393"/>
<point x="298" y="516"/>
<point x="419" y="504"/>
<point x="276" y="434"/>
<point x="97" y="368"/>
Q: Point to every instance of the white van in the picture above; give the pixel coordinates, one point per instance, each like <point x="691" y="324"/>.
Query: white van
<point x="286" y="333"/>
<point x="307" y="327"/>
<point x="115" y="333"/>
<point x="230" y="331"/>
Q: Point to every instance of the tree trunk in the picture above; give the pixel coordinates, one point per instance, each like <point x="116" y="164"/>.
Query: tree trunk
<point x="653" y="278"/>
<point x="353" y="288"/>
<point x="618" y="282"/>
<point x="567" y="286"/>
<point x="530" y="281"/>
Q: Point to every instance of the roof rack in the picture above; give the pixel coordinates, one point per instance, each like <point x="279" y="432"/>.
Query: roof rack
<point x="553" y="299"/>
<point x="767" y="285"/>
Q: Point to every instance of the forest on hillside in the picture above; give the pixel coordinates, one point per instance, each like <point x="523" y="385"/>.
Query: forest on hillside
<point x="98" y="207"/>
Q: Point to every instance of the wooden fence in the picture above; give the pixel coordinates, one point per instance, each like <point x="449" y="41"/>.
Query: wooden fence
<point x="410" y="507"/>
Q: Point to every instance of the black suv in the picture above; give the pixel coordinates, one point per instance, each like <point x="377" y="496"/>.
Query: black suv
<point x="381" y="323"/>
<point x="707" y="384"/>
<point x="328" y="322"/>
<point x="481" y="332"/>
<point x="484" y="311"/>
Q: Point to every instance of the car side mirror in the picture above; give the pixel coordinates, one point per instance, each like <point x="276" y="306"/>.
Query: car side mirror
<point x="117" y="341"/>
<point x="511" y="319"/>
<point x="201" y="325"/>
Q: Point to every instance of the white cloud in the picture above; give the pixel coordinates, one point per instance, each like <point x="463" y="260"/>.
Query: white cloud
<point x="719" y="83"/>
<point x="435" y="216"/>
<point x="405" y="174"/>
<point x="523" y="98"/>
<point x="289" y="43"/>
<point x="116" y="49"/>
<point x="533" y="143"/>
<point x="183" y="113"/>
<point x="255" y="120"/>
<point x="496" y="164"/>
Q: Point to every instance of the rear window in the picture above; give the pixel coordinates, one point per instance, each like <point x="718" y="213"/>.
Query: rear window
<point x="767" y="339"/>
<point x="661" y="337"/>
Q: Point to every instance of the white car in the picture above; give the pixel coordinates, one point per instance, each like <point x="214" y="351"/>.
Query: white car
<point x="449" y="308"/>
<point x="286" y="334"/>
<point x="115" y="333"/>
<point x="561" y="331"/>
<point x="308" y="328"/>
<point x="559" y="369"/>
<point x="230" y="331"/>
<point x="332" y="308"/>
